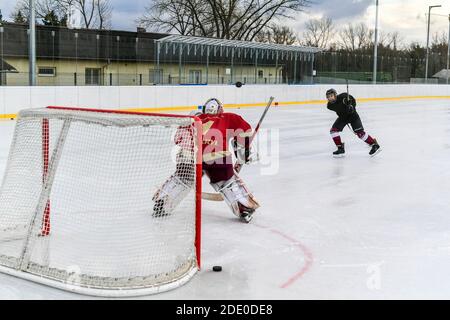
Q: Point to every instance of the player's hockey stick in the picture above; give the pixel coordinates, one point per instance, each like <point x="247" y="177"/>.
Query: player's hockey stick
<point x="348" y="94"/>
<point x="348" y="100"/>
<point x="238" y="166"/>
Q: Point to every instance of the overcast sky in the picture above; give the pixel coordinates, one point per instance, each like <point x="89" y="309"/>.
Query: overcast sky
<point x="408" y="17"/>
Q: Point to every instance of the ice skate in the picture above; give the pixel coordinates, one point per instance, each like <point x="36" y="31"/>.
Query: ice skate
<point x="375" y="149"/>
<point x="340" y="152"/>
<point x="246" y="213"/>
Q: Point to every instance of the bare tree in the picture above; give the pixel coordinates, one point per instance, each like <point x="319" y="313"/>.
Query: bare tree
<point x="318" y="32"/>
<point x="43" y="7"/>
<point x="87" y="10"/>
<point x="364" y="36"/>
<point x="175" y="15"/>
<point x="231" y="19"/>
<point x="283" y="35"/>
<point x="359" y="36"/>
<point x="390" y="40"/>
<point x="439" y="44"/>
<point x="104" y="13"/>
<point x="277" y="34"/>
<point x="439" y="39"/>
<point x="397" y="40"/>
<point x="383" y="40"/>
<point x="95" y="13"/>
<point x="351" y="37"/>
<point x="348" y="37"/>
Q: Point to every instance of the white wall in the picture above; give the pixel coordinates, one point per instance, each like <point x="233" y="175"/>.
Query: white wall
<point x="13" y="99"/>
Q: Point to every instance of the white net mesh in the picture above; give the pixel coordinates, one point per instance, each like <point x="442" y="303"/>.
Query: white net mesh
<point x="93" y="202"/>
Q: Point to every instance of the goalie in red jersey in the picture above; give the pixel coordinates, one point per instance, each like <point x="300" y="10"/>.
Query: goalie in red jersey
<point x="219" y="128"/>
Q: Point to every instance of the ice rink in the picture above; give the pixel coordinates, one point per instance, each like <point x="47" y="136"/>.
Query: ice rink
<point x="349" y="228"/>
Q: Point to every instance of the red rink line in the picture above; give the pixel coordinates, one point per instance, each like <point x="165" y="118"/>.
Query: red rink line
<point x="309" y="259"/>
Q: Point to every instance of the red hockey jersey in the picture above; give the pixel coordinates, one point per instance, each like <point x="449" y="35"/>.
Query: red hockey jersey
<point x="218" y="130"/>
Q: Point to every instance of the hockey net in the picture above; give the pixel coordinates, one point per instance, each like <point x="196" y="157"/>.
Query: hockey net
<point x="76" y="201"/>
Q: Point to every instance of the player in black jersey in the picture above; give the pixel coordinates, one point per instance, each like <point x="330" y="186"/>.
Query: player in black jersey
<point x="345" y="107"/>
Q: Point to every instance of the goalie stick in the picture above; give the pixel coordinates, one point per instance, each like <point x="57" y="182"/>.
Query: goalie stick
<point x="238" y="166"/>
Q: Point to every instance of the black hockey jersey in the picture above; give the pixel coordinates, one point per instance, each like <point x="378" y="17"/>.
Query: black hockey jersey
<point x="341" y="106"/>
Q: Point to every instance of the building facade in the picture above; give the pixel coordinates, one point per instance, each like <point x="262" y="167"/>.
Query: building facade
<point x="78" y="57"/>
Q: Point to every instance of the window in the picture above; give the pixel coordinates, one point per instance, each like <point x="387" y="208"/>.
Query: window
<point x="156" y="76"/>
<point x="93" y="76"/>
<point x="47" y="72"/>
<point x="260" y="74"/>
<point x="195" y="76"/>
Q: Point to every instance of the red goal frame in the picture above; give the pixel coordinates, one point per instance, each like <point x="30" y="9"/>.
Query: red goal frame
<point x="46" y="226"/>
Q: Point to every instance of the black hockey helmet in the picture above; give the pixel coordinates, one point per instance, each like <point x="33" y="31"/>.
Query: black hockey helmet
<point x="331" y="91"/>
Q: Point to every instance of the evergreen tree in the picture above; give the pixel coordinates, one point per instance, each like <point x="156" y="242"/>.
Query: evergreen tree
<point x="63" y="21"/>
<point x="51" y="19"/>
<point x="18" y="17"/>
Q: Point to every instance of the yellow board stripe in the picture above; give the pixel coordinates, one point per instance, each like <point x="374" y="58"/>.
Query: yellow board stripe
<point x="260" y="104"/>
<point x="8" y="116"/>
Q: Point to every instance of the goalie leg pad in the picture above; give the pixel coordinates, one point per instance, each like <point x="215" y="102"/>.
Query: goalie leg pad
<point x="237" y="196"/>
<point x="167" y="198"/>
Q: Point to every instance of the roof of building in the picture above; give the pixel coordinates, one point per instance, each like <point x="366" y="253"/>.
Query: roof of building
<point x="6" y="67"/>
<point x="53" y="42"/>
<point x="443" y="74"/>
<point x="215" y="42"/>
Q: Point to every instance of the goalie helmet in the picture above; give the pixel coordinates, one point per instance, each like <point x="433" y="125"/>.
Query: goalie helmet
<point x="213" y="106"/>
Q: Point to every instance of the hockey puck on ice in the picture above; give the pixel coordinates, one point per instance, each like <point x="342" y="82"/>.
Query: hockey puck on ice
<point x="217" y="268"/>
<point x="239" y="84"/>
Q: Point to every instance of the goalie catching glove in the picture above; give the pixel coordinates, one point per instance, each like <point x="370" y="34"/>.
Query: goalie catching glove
<point x="244" y="154"/>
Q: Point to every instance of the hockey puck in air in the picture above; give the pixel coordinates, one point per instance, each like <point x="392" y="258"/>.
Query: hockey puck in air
<point x="217" y="268"/>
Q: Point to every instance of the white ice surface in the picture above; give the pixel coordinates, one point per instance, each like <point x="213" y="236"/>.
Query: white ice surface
<point x="356" y="227"/>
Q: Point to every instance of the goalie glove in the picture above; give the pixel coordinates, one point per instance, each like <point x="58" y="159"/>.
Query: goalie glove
<point x="244" y="155"/>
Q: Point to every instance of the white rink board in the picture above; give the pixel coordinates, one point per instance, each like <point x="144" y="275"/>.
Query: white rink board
<point x="13" y="99"/>
<point x="357" y="227"/>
